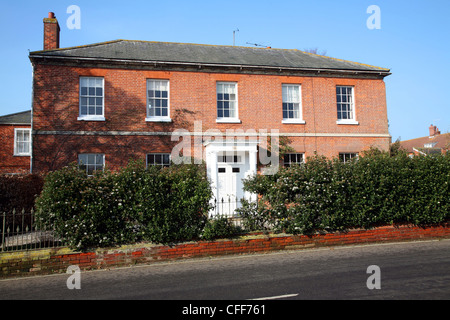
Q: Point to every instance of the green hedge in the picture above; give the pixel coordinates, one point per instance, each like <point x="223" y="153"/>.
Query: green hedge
<point x="328" y="195"/>
<point x="136" y="204"/>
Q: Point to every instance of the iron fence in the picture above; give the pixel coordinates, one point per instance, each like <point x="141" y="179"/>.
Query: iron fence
<point x="228" y="207"/>
<point x="20" y="231"/>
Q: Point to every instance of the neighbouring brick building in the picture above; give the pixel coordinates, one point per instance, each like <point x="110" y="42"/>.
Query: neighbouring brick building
<point x="104" y="103"/>
<point x="434" y="143"/>
<point x="15" y="143"/>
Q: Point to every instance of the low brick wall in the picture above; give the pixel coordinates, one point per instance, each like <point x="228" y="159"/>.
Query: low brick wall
<point x="47" y="261"/>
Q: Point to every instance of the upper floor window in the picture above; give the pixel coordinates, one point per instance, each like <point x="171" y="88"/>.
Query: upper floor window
<point x="22" y="142"/>
<point x="158" y="100"/>
<point x="91" y="162"/>
<point x="227" y="102"/>
<point x="345" y="105"/>
<point x="91" y="98"/>
<point x="292" y="158"/>
<point x="292" y="105"/>
<point x="158" y="159"/>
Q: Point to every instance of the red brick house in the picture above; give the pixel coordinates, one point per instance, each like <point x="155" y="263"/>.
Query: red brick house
<point x="15" y="143"/>
<point x="434" y="143"/>
<point x="105" y="103"/>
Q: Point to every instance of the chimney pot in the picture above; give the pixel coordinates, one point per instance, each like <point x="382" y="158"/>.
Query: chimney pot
<point x="51" y="15"/>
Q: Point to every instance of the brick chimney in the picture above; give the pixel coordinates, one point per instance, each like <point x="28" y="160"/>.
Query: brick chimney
<point x="434" y="131"/>
<point x="51" y="32"/>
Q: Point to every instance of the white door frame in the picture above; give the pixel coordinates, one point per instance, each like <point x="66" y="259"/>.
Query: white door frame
<point x="247" y="148"/>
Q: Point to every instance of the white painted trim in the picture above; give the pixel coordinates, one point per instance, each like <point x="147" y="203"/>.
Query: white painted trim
<point x="421" y="152"/>
<point x="350" y="122"/>
<point x="91" y="118"/>
<point x="228" y="120"/>
<point x="87" y="117"/>
<point x="293" y="121"/>
<point x="207" y="134"/>
<point x="16" y="154"/>
<point x="234" y="119"/>
<point x="158" y="119"/>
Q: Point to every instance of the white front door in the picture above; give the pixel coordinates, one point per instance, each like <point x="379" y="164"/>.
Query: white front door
<point x="227" y="165"/>
<point x="229" y="187"/>
<point x="230" y="172"/>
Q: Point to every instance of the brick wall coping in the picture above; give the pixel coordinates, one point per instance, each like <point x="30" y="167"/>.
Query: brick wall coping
<point x="56" y="260"/>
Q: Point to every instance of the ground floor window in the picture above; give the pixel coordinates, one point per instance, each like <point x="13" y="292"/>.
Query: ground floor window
<point x="290" y="159"/>
<point x="22" y="142"/>
<point x="346" y="157"/>
<point x="91" y="162"/>
<point x="158" y="159"/>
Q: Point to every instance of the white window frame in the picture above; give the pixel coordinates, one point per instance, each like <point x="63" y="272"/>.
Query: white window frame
<point x="88" y="117"/>
<point x="95" y="164"/>
<point x="348" y="156"/>
<point x="285" y="99"/>
<point x="162" y="164"/>
<point x="290" y="162"/>
<point x="17" y="133"/>
<point x="351" y="104"/>
<point x="153" y="118"/>
<point x="229" y="119"/>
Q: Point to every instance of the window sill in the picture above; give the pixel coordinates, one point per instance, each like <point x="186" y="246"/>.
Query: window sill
<point x="293" y="121"/>
<point x="351" y="122"/>
<point x="158" y="119"/>
<point x="228" y="120"/>
<point x="22" y="155"/>
<point x="92" y="118"/>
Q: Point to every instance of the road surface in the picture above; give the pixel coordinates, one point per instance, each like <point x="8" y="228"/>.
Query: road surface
<point x="413" y="270"/>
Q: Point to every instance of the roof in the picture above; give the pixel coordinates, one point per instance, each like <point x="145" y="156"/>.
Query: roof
<point x="439" y="141"/>
<point x="212" y="55"/>
<point x="17" y="118"/>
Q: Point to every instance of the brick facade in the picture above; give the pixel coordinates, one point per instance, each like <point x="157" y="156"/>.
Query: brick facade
<point x="9" y="162"/>
<point x="117" y="126"/>
<point x="193" y="98"/>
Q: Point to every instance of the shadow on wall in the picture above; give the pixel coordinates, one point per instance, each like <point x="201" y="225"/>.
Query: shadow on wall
<point x="57" y="138"/>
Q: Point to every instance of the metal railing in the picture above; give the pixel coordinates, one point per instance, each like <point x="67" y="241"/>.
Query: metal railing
<point x="19" y="231"/>
<point x="226" y="207"/>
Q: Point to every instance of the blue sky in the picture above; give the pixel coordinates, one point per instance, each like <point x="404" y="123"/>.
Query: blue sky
<point x="413" y="41"/>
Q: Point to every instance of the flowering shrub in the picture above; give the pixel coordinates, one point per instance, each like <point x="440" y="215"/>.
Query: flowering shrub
<point x="158" y="205"/>
<point x="377" y="189"/>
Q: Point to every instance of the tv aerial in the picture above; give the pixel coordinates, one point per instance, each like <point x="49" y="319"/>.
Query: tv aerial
<point x="257" y="44"/>
<point x="234" y="35"/>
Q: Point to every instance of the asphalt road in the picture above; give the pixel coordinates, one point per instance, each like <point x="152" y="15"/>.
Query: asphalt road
<point x="413" y="270"/>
